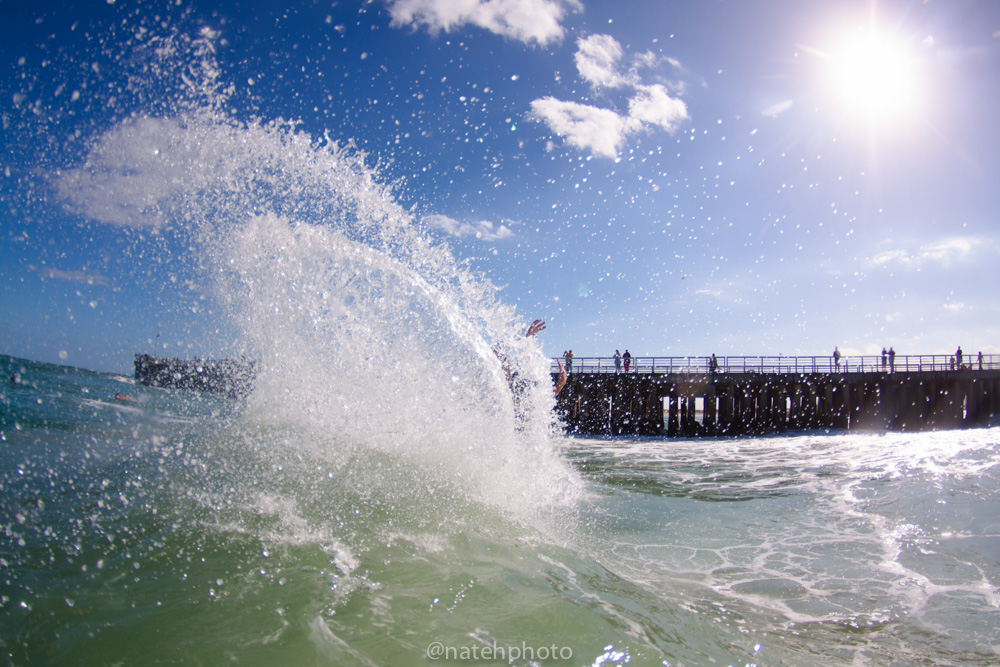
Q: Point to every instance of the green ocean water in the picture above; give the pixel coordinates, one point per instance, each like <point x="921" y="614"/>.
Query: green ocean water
<point x="179" y="528"/>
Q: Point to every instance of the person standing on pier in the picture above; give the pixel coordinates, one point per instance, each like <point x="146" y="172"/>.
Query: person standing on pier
<point x="627" y="358"/>
<point x="569" y="361"/>
<point x="958" y="358"/>
<point x="618" y="362"/>
<point x="836" y="358"/>
<point x="892" y="360"/>
<point x="883" y="359"/>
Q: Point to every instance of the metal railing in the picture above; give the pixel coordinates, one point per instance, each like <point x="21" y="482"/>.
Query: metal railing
<point x="782" y="364"/>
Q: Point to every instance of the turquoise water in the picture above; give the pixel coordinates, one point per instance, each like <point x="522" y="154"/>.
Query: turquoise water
<point x="185" y="528"/>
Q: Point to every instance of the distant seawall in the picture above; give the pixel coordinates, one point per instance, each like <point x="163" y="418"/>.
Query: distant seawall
<point x="228" y="376"/>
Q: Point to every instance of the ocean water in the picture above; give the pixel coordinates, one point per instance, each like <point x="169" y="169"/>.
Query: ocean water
<point x="380" y="498"/>
<point x="187" y="528"/>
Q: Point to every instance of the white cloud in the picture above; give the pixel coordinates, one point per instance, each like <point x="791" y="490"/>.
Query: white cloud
<point x="537" y="21"/>
<point x="948" y="250"/>
<point x="896" y="256"/>
<point x="603" y="130"/>
<point x="597" y="59"/>
<point x="652" y="105"/>
<point x="483" y="229"/>
<point x="73" y="276"/>
<point x="777" y="108"/>
<point x="945" y="252"/>
<point x="128" y="176"/>
<point x="587" y="127"/>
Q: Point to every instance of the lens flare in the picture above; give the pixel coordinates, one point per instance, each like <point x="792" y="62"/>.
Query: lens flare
<point x="875" y="75"/>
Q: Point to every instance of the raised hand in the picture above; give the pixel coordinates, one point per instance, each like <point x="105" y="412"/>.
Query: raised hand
<point x="536" y="326"/>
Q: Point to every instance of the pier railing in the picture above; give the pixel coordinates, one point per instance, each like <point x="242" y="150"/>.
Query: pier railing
<point x="782" y="364"/>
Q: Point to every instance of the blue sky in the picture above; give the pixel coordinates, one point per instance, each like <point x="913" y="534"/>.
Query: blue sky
<point x="736" y="177"/>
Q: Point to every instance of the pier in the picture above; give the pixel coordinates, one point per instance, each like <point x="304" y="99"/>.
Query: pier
<point x="735" y="396"/>
<point x="224" y="376"/>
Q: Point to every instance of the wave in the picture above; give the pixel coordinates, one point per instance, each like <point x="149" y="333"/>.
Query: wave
<point x="366" y="329"/>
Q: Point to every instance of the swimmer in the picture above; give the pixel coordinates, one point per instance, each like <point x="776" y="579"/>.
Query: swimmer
<point x="537" y="326"/>
<point x="534" y="328"/>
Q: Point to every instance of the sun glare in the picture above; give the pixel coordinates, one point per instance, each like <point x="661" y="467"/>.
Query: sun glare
<point x="875" y="75"/>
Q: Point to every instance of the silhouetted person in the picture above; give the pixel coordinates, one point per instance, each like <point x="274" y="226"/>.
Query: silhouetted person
<point x="836" y="358"/>
<point x="618" y="362"/>
<point x="892" y="360"/>
<point x="980" y="361"/>
<point x="627" y="358"/>
<point x="884" y="360"/>
<point x="569" y="361"/>
<point x="516" y="384"/>
<point x="958" y="357"/>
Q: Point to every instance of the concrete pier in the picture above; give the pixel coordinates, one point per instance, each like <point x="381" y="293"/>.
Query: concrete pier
<point x="226" y="376"/>
<point x="737" y="399"/>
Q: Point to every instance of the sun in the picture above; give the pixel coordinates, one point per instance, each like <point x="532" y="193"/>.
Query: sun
<point x="875" y="75"/>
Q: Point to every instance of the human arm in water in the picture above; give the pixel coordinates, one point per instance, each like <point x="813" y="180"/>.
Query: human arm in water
<point x="561" y="379"/>
<point x="537" y="326"/>
<point x="534" y="328"/>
